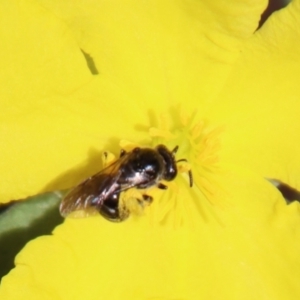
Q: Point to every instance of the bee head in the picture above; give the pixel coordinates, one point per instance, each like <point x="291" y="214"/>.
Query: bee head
<point x="170" y="169"/>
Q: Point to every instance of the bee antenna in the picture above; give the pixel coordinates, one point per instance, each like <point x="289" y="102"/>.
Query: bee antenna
<point x="182" y="159"/>
<point x="189" y="171"/>
<point x="175" y="149"/>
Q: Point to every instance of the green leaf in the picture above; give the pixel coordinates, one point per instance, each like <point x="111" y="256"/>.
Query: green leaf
<point x="24" y="220"/>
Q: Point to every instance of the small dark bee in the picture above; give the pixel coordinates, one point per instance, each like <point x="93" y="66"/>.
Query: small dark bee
<point x="140" y="168"/>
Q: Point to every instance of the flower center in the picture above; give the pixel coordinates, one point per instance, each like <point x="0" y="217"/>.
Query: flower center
<point x="197" y="152"/>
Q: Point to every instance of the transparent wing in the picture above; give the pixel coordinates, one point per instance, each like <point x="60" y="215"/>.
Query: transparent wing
<point x="86" y="198"/>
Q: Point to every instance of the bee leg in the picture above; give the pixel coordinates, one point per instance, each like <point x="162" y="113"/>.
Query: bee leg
<point x="162" y="186"/>
<point x="112" y="211"/>
<point x="147" y="198"/>
<point x="122" y="152"/>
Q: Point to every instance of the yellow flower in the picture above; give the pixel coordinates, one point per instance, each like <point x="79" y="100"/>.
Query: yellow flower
<point x="187" y="73"/>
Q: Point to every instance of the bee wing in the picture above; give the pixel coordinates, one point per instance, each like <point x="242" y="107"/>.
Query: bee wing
<point x="85" y="198"/>
<point x="83" y="213"/>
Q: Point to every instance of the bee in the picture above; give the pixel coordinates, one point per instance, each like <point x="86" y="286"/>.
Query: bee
<point x="140" y="168"/>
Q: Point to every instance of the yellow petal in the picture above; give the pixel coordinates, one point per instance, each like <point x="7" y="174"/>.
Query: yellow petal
<point x="260" y="104"/>
<point x="39" y="61"/>
<point x="165" y="51"/>
<point x="56" y="118"/>
<point x="251" y="252"/>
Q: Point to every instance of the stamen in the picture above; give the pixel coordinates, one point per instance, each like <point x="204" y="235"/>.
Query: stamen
<point x="154" y="132"/>
<point x="198" y="145"/>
